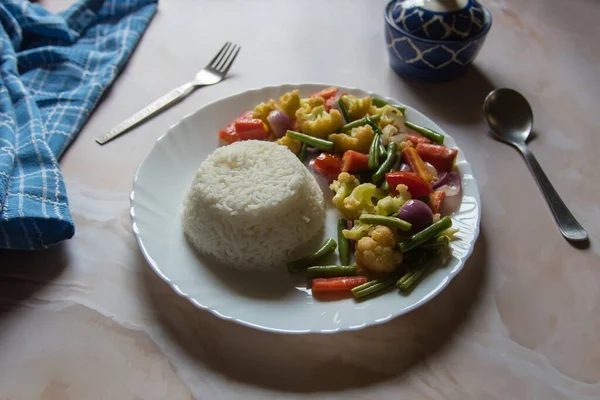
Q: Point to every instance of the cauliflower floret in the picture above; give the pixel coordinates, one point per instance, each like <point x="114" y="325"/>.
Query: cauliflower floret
<point x="356" y="107"/>
<point x="376" y="252"/>
<point x="388" y="132"/>
<point x="359" y="140"/>
<point x="289" y="103"/>
<point x="262" y="110"/>
<point x="312" y="101"/>
<point x="359" y="230"/>
<point x="361" y="201"/>
<point x="405" y="144"/>
<point x="317" y="121"/>
<point x="293" y="144"/>
<point x="391" y="116"/>
<point x="391" y="205"/>
<point x="343" y="186"/>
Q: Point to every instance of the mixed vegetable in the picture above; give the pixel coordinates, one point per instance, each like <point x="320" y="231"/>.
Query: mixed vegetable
<point x="389" y="177"/>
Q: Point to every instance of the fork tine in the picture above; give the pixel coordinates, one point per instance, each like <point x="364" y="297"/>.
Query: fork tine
<point x="221" y="52"/>
<point x="223" y="61"/>
<point x="225" y="54"/>
<point x="230" y="62"/>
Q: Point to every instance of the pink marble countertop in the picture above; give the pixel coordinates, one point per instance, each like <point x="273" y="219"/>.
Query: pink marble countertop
<point x="89" y="320"/>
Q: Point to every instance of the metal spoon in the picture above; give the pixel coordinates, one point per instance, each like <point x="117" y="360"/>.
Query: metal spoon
<point x="510" y="117"/>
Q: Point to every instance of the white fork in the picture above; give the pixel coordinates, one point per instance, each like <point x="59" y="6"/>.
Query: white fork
<point x="214" y="72"/>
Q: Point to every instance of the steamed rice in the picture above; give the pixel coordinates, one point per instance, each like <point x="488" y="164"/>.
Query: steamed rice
<point x="251" y="204"/>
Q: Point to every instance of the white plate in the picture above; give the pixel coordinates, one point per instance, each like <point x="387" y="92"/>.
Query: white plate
<point x="270" y="301"/>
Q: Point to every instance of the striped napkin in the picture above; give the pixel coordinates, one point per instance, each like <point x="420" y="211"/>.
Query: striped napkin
<point x="53" y="70"/>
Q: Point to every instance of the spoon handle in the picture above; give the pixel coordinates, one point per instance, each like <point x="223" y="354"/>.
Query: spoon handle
<point x="567" y="223"/>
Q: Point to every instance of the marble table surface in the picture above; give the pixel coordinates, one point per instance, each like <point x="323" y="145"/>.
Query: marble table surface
<point x="88" y="319"/>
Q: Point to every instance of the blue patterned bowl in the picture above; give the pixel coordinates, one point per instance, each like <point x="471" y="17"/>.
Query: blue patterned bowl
<point x="439" y="19"/>
<point x="431" y="60"/>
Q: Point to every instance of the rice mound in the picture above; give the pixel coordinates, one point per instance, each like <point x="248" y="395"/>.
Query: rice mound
<point x="251" y="204"/>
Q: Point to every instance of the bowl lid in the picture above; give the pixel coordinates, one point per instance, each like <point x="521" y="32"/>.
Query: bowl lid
<point x="439" y="19"/>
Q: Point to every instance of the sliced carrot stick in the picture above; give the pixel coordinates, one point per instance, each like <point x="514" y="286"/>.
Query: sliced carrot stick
<point x="341" y="284"/>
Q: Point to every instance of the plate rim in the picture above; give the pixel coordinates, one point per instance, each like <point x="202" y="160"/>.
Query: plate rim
<point x="196" y="303"/>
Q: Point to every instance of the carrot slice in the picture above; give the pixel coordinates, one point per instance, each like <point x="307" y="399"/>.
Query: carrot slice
<point x="341" y="284"/>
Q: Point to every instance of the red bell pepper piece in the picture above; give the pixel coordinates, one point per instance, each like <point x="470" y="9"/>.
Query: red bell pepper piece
<point x="330" y="165"/>
<point x="330" y="102"/>
<point x="441" y="157"/>
<point x="341" y="284"/>
<point x="435" y="201"/>
<point x="229" y="134"/>
<point x="416" y="139"/>
<point x="417" y="165"/>
<point x="326" y="93"/>
<point x="353" y="161"/>
<point x="417" y="186"/>
<point x="251" y="129"/>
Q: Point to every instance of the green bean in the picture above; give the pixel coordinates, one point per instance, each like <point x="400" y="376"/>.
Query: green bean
<point x="374" y="153"/>
<point x="387" y="164"/>
<point x="439" y="242"/>
<point x="382" y="103"/>
<point x="374" y="286"/>
<point x="426" y="234"/>
<point x="381" y="151"/>
<point x="428" y="133"/>
<point x="404" y="278"/>
<point x="360" y="122"/>
<point x="373" y="124"/>
<point x="343" y="246"/>
<point x="410" y="278"/>
<point x="311" y="259"/>
<point x="344" y="109"/>
<point x="392" y="222"/>
<point x="302" y="155"/>
<point x="311" y="140"/>
<point x="331" y="270"/>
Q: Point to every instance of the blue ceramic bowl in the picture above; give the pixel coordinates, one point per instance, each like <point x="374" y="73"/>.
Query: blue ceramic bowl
<point x="431" y="60"/>
<point x="439" y="20"/>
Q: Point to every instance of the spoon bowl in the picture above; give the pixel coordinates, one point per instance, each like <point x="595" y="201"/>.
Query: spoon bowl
<point x="509" y="115"/>
<point x="510" y="118"/>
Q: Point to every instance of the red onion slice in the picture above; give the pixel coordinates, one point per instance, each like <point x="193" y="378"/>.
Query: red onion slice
<point x="441" y="180"/>
<point x="451" y="184"/>
<point x="280" y="122"/>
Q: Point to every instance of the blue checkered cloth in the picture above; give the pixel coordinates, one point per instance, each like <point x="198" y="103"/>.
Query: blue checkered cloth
<point x="53" y="70"/>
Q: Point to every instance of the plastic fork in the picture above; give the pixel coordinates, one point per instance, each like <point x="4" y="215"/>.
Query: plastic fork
<point x="214" y="72"/>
